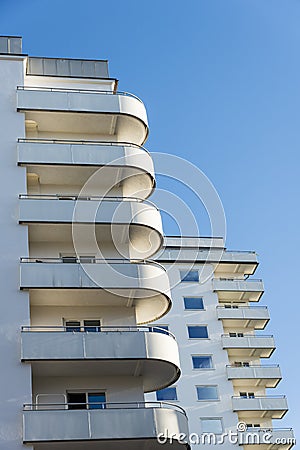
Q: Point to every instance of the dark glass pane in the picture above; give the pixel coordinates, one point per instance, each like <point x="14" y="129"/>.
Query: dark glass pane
<point x="96" y="400"/>
<point x="191" y="275"/>
<point x="193" y="303"/>
<point x="73" y="325"/>
<point x="202" y="362"/>
<point x="76" y="400"/>
<point x="199" y="332"/>
<point x="207" y="393"/>
<point x="92" y="325"/>
<point x="166" y="394"/>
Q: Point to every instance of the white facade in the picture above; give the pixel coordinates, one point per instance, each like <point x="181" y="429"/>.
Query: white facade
<point x="78" y="229"/>
<point x="238" y="366"/>
<point x="80" y="294"/>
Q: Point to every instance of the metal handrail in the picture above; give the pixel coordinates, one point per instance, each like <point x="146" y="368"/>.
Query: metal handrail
<point x="86" y="198"/>
<point x="81" y="142"/>
<point x="30" y="259"/>
<point x="103" y="405"/>
<point x="252" y="365"/>
<point x="80" y="91"/>
<point x="239" y="279"/>
<point x="242" y="307"/>
<point x="248" y="335"/>
<point x="258" y="429"/>
<point x="100" y="329"/>
<point x="259" y="396"/>
<point x="240" y="251"/>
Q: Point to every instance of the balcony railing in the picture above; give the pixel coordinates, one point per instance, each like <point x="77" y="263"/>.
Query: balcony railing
<point x="89" y="260"/>
<point x="81" y="142"/>
<point x="274" y="406"/>
<point x="77" y="91"/>
<point x="98" y="329"/>
<point x="131" y="405"/>
<point x="75" y="197"/>
<point x="137" y="423"/>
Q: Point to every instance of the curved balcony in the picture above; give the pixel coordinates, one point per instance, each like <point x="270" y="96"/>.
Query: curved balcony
<point x="248" y="345"/>
<point x="266" y="438"/>
<point x="235" y="317"/>
<point x="133" y="225"/>
<point x="254" y="375"/>
<point x="119" y="115"/>
<point x="142" y="285"/>
<point x="273" y="407"/>
<point x="232" y="289"/>
<point x="55" y="161"/>
<point x="147" y="352"/>
<point x="131" y="426"/>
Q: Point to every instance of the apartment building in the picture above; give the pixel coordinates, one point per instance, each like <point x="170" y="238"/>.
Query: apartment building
<point x="224" y="350"/>
<point x="77" y="225"/>
<point x="112" y="334"/>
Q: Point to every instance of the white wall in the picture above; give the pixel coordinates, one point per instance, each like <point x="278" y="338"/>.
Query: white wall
<point x="178" y="319"/>
<point x="15" y="378"/>
<point x="55" y="315"/>
<point x="118" y="389"/>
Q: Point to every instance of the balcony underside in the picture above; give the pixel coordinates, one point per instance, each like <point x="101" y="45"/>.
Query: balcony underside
<point x="260" y="413"/>
<point x="235" y="290"/>
<point x="133" y="227"/>
<point x="243" y="317"/>
<point x="268" y="377"/>
<point x="119" y="117"/>
<point x="235" y="267"/>
<point x="239" y="295"/>
<point x="152" y="356"/>
<point x="149" y="305"/>
<point x="112" y="164"/>
<point x="249" y="352"/>
<point x="103" y="429"/>
<point x="261" y="347"/>
<point x="238" y="323"/>
<point x="260" y="407"/>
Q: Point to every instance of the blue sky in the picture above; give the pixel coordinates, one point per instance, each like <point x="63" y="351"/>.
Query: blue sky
<point x="220" y="80"/>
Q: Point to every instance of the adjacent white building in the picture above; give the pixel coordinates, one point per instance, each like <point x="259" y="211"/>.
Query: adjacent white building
<point x="88" y="282"/>
<point x="224" y="350"/>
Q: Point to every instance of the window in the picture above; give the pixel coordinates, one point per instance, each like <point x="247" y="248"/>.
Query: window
<point x="197" y="332"/>
<point x="167" y="394"/>
<point x="211" y="425"/>
<point x="247" y="395"/>
<point x="72" y="258"/>
<point x="253" y="425"/>
<point x="87" y="325"/>
<point x="202" y="362"/>
<point x="241" y="364"/>
<point x="193" y="303"/>
<point x="189" y="275"/>
<point x="207" y="393"/>
<point x="86" y="400"/>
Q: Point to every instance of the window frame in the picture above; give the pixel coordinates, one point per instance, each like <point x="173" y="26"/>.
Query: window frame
<point x="86" y="393"/>
<point x="194" y="309"/>
<point x="184" y="274"/>
<point x="203" y="368"/>
<point x="208" y="386"/>
<point x="165" y="389"/>
<point x="220" y="419"/>
<point x="82" y="327"/>
<point x="203" y="326"/>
